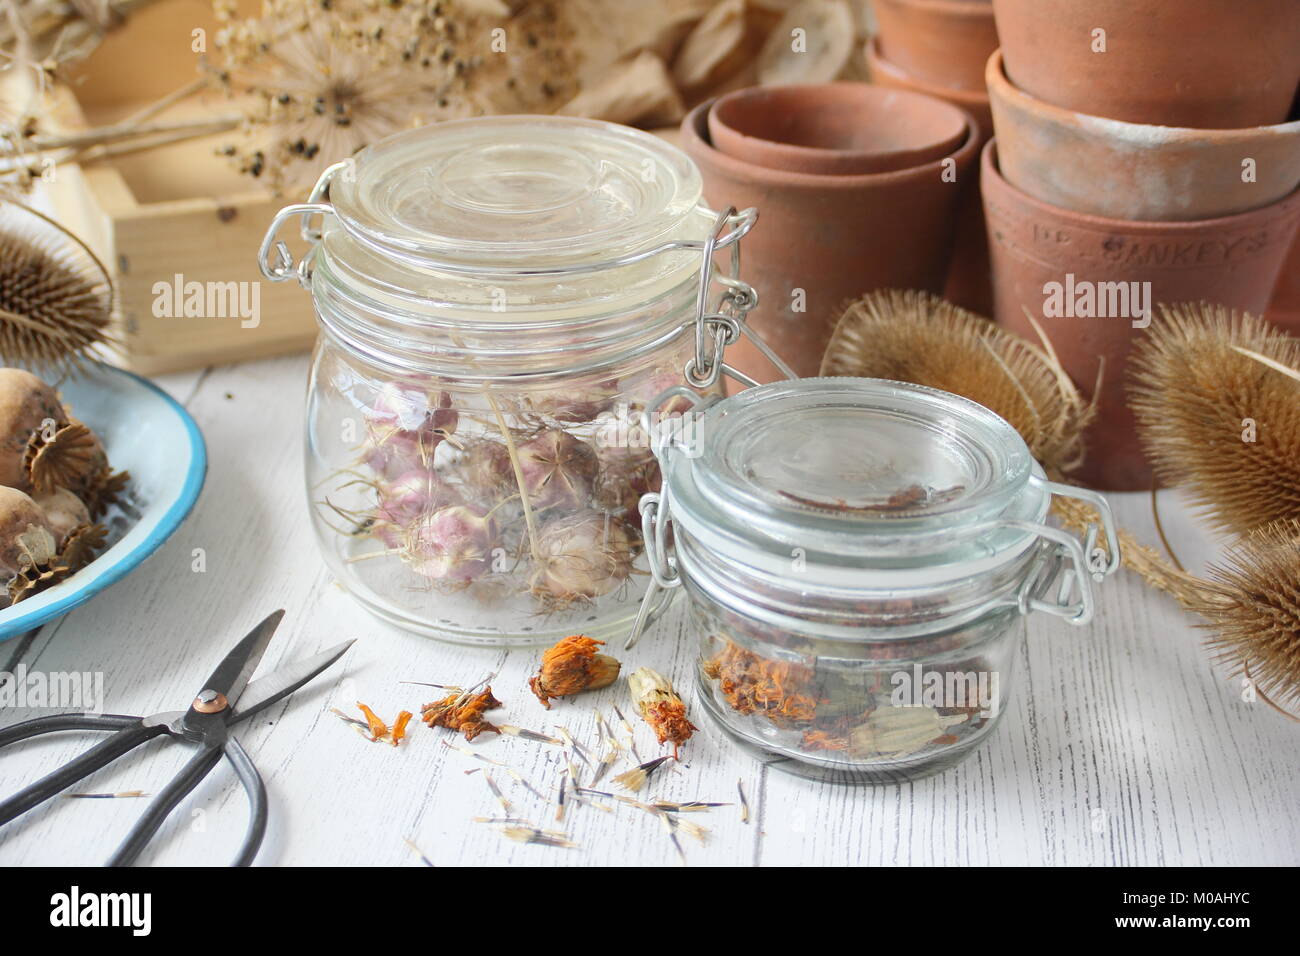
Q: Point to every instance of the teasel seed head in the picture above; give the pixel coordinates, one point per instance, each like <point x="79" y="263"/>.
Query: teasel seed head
<point x="1219" y="424"/>
<point x="1251" y="602"/>
<point x="920" y="338"/>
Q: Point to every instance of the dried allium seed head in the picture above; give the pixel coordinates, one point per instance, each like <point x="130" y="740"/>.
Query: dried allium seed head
<point x="919" y="338"/>
<point x="1196" y="398"/>
<point x="558" y="470"/>
<point x="451" y="544"/>
<point x="1252" y="603"/>
<point x="580" y="557"/>
<point x="572" y="666"/>
<point x="660" y="706"/>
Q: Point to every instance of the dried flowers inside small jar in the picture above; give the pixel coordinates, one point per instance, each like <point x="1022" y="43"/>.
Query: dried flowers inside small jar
<point x="499" y="299"/>
<point x="860" y="558"/>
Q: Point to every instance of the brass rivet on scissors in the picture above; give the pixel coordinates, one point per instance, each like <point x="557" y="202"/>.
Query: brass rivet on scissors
<point x="210" y="702"/>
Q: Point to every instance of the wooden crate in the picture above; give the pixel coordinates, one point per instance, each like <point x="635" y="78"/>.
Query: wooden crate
<point x="179" y="210"/>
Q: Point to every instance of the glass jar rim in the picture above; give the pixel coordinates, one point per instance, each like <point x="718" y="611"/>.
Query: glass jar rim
<point x="774" y="469"/>
<point x="482" y="195"/>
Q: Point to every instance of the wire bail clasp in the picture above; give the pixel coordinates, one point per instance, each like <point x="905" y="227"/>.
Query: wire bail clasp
<point x="282" y="267"/>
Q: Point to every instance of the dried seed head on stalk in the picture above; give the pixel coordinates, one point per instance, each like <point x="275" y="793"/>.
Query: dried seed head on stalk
<point x="1219" y="424"/>
<point x="1252" y="603"/>
<point x="572" y="666"/>
<point x="326" y="79"/>
<point x="920" y="338"/>
<point x="661" y="707"/>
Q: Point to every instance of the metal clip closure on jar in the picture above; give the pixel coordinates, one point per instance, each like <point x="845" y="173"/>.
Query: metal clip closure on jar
<point x="860" y="493"/>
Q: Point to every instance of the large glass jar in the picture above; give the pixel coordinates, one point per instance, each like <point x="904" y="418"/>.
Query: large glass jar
<point x="860" y="558"/>
<point x="499" y="298"/>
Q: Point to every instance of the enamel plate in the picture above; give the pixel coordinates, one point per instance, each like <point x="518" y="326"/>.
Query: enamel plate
<point x="147" y="433"/>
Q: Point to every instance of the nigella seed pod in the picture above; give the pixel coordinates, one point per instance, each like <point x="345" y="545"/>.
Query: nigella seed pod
<point x="404" y="429"/>
<point x="581" y="557"/>
<point x="451" y="544"/>
<point x="557" y="469"/>
<point x="409" y="496"/>
<point x="485" y="471"/>
<point x="576" y="403"/>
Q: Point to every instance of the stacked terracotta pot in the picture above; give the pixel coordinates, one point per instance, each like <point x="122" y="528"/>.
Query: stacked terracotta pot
<point x="1146" y="152"/>
<point x="858" y="188"/>
<point x="940" y="47"/>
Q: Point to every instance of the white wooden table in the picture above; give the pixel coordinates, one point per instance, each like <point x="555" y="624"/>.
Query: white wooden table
<point x="1123" y="744"/>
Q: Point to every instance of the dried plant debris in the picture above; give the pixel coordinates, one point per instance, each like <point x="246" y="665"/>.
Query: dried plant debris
<point x="744" y="801"/>
<point x="462" y="712"/>
<point x="533" y="835"/>
<point x="572" y="666"/>
<point x="373" y="728"/>
<point x="636" y="778"/>
<point x="660" y="707"/>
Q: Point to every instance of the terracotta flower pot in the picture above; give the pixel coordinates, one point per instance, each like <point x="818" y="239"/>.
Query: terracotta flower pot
<point x="1284" y="310"/>
<point x="1214" y="64"/>
<point x="885" y="72"/>
<point x="1133" y="171"/>
<point x="821" y="241"/>
<point x="1050" y="260"/>
<point x="943" y="42"/>
<point x="835" y="129"/>
<point x="968" y="283"/>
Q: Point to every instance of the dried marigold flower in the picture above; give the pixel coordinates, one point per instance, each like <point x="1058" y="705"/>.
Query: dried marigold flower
<point x="783" y="693"/>
<point x="661" y="707"/>
<point x="572" y="666"/>
<point x="375" y="729"/>
<point x="462" y="712"/>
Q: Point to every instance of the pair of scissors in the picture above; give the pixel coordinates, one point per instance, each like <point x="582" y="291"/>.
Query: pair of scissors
<point x="227" y="698"/>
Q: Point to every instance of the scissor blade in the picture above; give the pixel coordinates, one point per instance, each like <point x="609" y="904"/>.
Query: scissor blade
<point x="232" y="674"/>
<point x="265" y="691"/>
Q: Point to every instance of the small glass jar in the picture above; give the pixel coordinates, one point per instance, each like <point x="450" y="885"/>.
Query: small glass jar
<point x="498" y="300"/>
<point x="860" y="557"/>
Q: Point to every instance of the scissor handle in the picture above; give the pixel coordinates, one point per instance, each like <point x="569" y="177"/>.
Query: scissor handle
<point x="198" y="767"/>
<point x="55" y="722"/>
<point x="127" y="737"/>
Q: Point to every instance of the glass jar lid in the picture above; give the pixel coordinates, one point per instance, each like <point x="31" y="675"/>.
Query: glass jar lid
<point x="855" y="474"/>
<point x="500" y="194"/>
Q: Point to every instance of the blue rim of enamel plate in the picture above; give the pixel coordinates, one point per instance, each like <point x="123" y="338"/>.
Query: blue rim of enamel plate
<point x="71" y="593"/>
